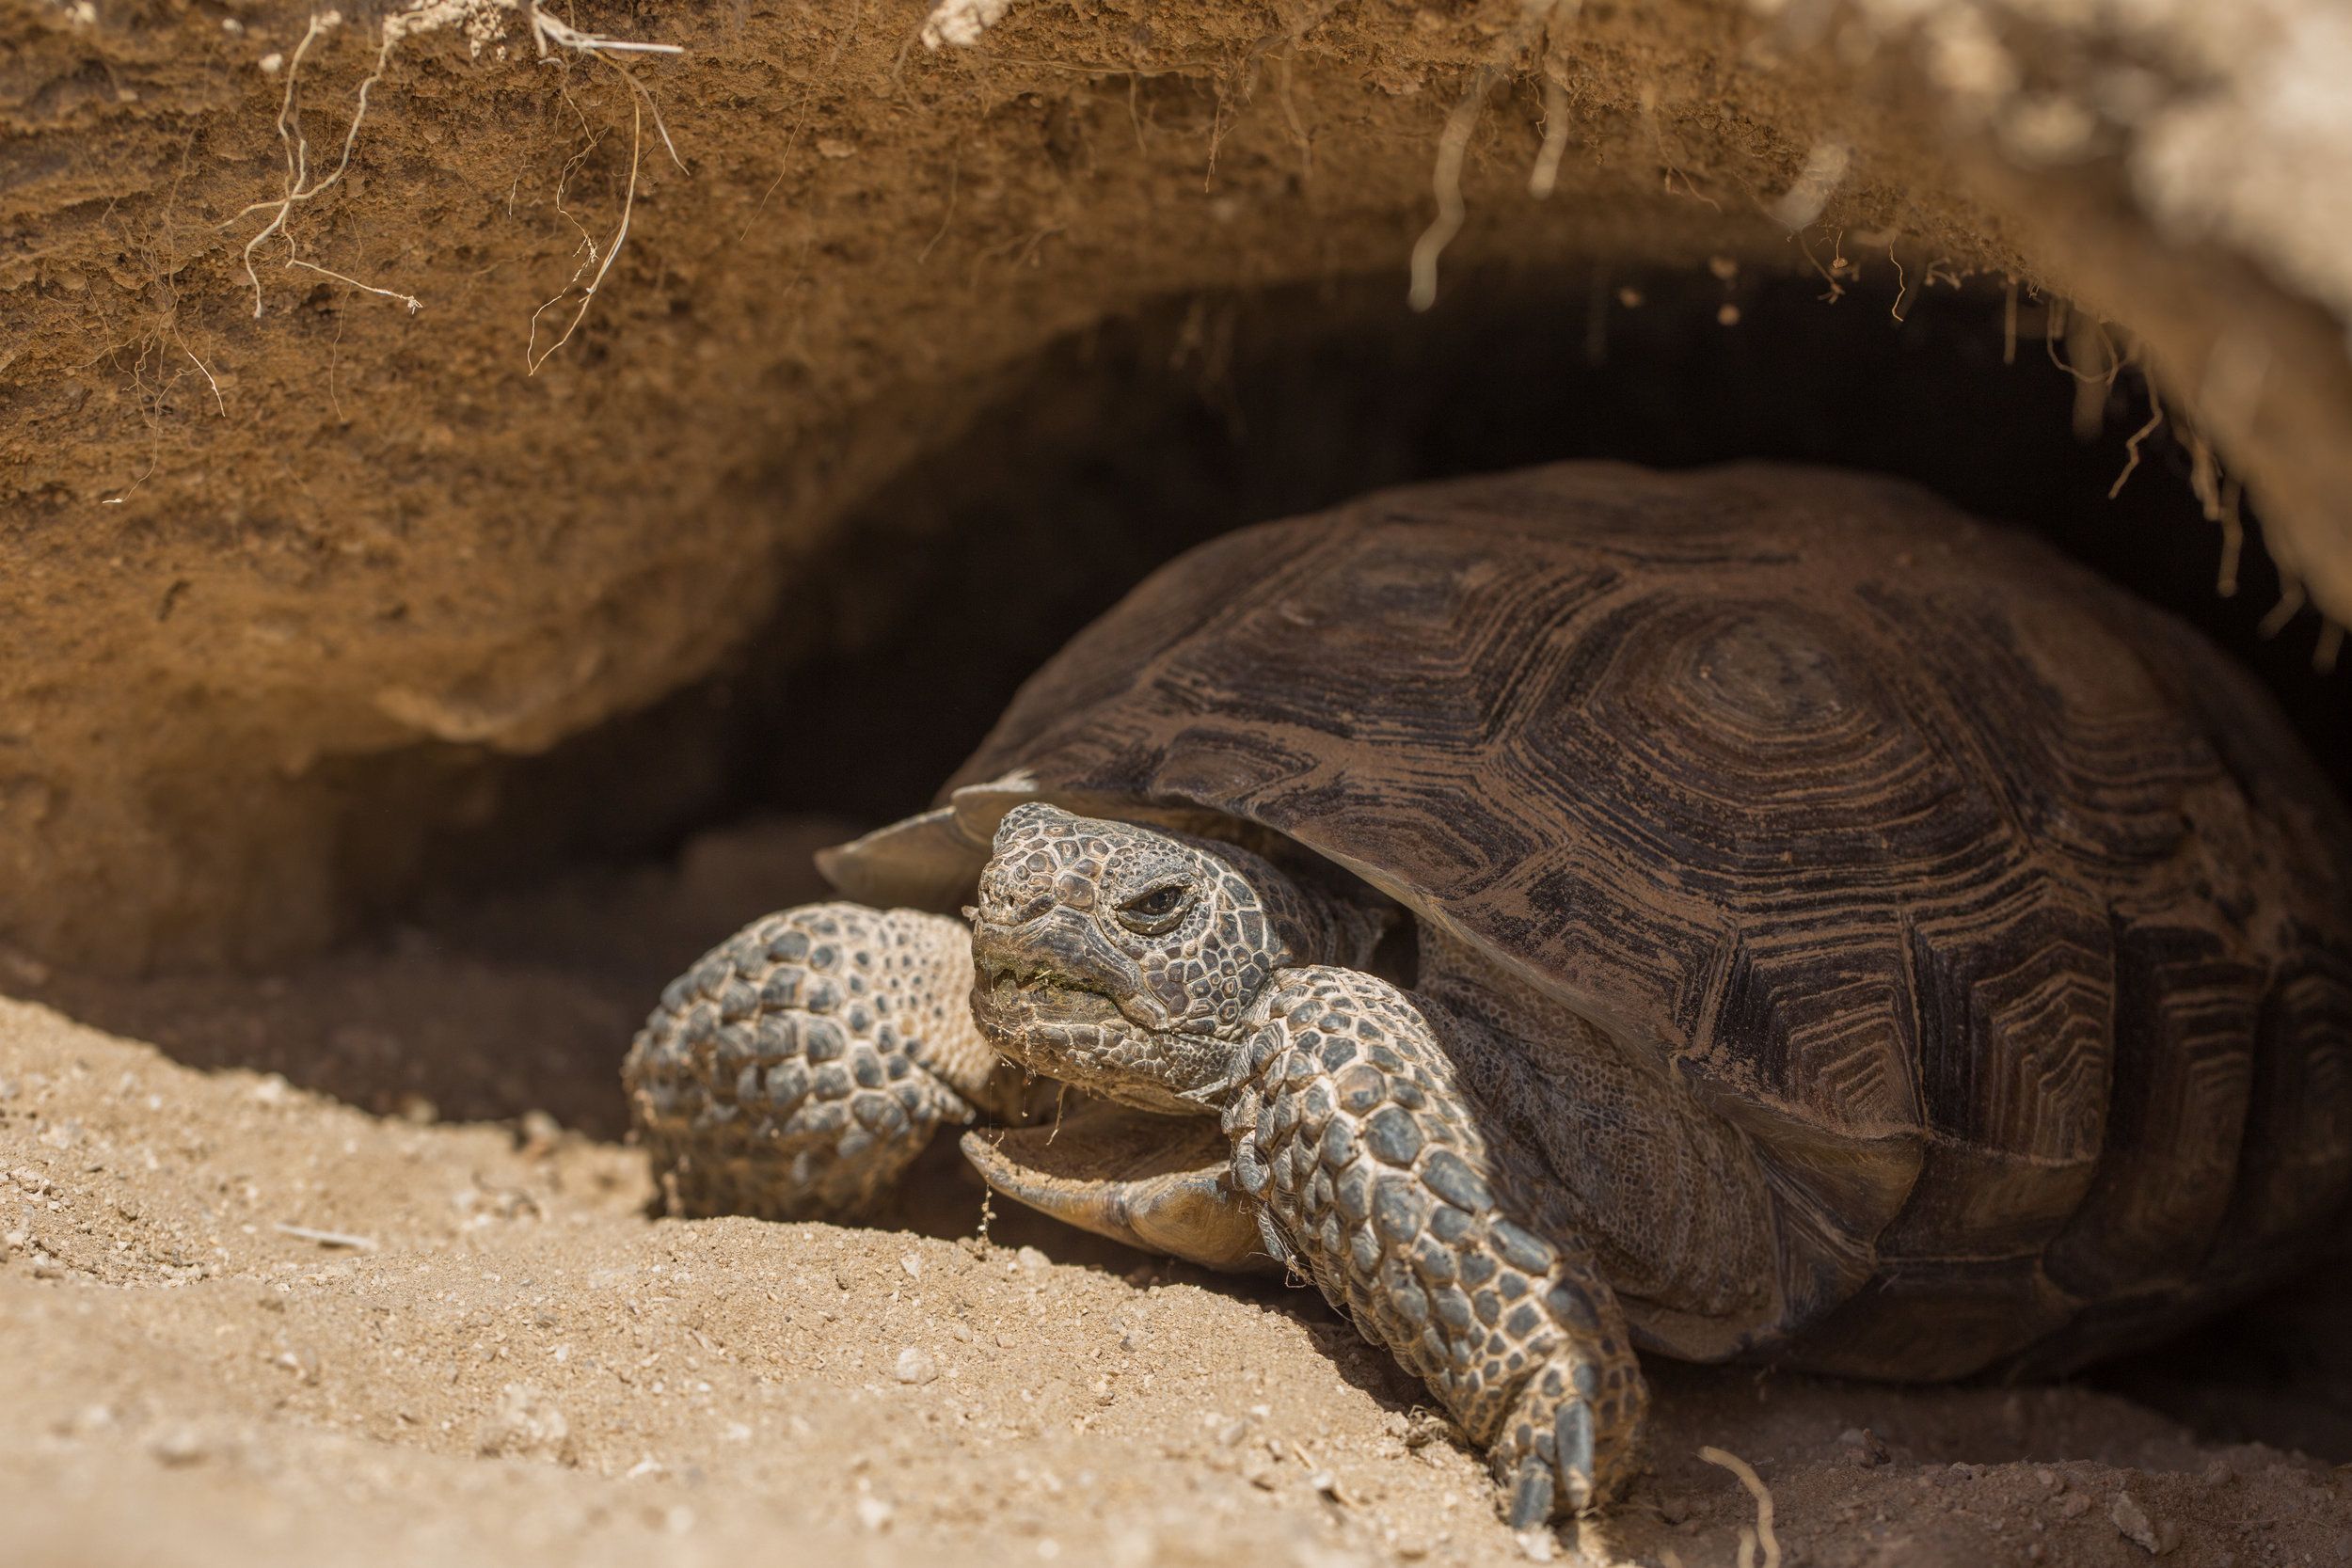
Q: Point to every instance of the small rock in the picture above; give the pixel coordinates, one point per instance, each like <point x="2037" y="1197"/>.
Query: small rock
<point x="2075" y="1506"/>
<point x="874" y="1513"/>
<point x="85" y="1421"/>
<point x="538" y="1134"/>
<point x="178" y="1444"/>
<point x="912" y="1263"/>
<point x="2132" y="1522"/>
<point x="526" y="1421"/>
<point x="1030" y="1260"/>
<point x="960" y="1332"/>
<point x="2048" y="1480"/>
<point x="916" y="1364"/>
<point x="1864" y="1447"/>
<point x="1425" y="1427"/>
<point x="1537" y="1545"/>
<point x="833" y="146"/>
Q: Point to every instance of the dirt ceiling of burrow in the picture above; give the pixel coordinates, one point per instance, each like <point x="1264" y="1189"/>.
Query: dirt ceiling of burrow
<point x="329" y="485"/>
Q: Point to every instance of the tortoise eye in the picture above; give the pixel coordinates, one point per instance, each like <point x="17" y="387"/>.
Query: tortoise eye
<point x="1157" y="910"/>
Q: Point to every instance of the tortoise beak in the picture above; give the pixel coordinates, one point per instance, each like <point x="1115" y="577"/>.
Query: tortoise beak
<point x="1064" y="946"/>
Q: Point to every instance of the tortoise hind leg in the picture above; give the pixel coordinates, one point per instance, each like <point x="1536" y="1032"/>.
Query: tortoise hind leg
<point x="1351" y="1130"/>
<point x="798" y="1068"/>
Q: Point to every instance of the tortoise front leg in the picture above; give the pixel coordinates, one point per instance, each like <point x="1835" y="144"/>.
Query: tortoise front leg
<point x="799" y="1068"/>
<point x="1350" y="1128"/>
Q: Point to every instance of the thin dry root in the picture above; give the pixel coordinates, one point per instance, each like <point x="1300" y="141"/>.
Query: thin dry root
<point x="1447" y="180"/>
<point x="548" y="32"/>
<point x="1453" y="145"/>
<point x="2131" y="446"/>
<point x="2232" y="537"/>
<point x="2290" y="605"/>
<point x="299" y="187"/>
<point x="533" y="356"/>
<point x="1546" y="173"/>
<point x="1762" y="1535"/>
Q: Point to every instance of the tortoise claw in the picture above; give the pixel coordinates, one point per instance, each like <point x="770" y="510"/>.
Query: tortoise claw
<point x="1531" y="1495"/>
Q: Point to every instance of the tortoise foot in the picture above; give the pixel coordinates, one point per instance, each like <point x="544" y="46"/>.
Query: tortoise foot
<point x="798" y="1068"/>
<point x="1353" y="1133"/>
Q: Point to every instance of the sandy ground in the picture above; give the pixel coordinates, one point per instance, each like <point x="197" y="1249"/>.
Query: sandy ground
<point x="264" y="1299"/>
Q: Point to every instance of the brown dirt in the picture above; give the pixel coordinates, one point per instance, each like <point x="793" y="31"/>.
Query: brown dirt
<point x="286" y="594"/>
<point x="522" y="1366"/>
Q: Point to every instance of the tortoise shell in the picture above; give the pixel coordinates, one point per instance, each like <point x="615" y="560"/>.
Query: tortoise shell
<point x="2003" y="913"/>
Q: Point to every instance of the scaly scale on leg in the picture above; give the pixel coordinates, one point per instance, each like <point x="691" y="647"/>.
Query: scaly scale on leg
<point x="1352" y="1133"/>
<point x="800" y="1067"/>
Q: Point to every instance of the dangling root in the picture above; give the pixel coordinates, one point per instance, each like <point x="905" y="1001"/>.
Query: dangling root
<point x="479" y="18"/>
<point x="299" y="187"/>
<point x="1762" y="1535"/>
<point x="1447" y="179"/>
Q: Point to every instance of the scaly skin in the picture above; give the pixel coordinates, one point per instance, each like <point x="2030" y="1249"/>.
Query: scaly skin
<point x="805" y="1062"/>
<point x="1351" y="1130"/>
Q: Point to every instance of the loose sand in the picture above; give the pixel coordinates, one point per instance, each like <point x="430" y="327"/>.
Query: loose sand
<point x="516" y="1363"/>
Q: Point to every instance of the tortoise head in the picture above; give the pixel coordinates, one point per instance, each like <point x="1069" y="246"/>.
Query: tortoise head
<point x="1123" y="959"/>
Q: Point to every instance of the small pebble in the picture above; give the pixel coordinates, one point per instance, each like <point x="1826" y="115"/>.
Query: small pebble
<point x="178" y="1444"/>
<point x="916" y="1364"/>
<point x="2130" y="1520"/>
<point x="1865" y="1447"/>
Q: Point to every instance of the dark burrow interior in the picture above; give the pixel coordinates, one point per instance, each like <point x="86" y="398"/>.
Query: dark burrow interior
<point x="510" y="980"/>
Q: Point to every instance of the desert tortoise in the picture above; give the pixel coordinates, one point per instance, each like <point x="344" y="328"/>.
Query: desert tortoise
<point x="1753" y="913"/>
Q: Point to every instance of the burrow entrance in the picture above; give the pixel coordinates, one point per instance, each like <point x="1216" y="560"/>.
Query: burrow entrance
<point x="894" y="647"/>
<point x="505" y="979"/>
